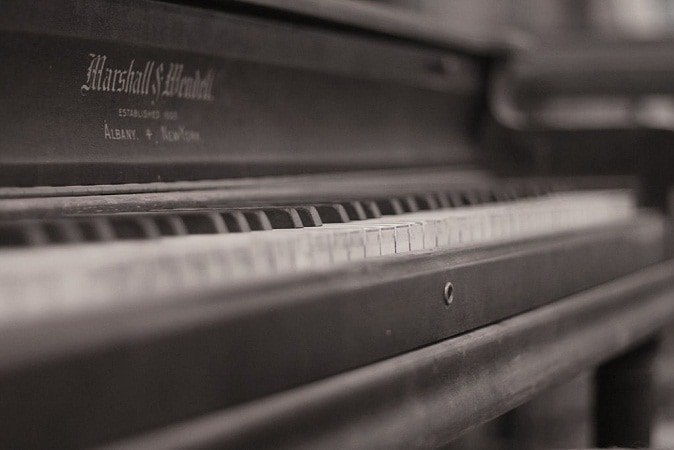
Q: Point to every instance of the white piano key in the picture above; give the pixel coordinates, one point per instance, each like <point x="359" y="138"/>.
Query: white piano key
<point x="340" y="243"/>
<point x="291" y="252"/>
<point x="409" y="234"/>
<point x="367" y="236"/>
<point x="465" y="231"/>
<point x="397" y="232"/>
<point x="348" y="241"/>
<point x="430" y="230"/>
<point x="322" y="245"/>
<point x="387" y="236"/>
<point x="443" y="233"/>
<point x="372" y="242"/>
<point x="417" y="234"/>
<point x="357" y="249"/>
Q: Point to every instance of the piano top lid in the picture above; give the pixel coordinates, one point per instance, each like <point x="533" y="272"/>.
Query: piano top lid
<point x="475" y="27"/>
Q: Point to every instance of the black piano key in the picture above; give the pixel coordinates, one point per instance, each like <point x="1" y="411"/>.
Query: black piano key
<point x="502" y="195"/>
<point x="309" y="215"/>
<point x="484" y="196"/>
<point x="390" y="206"/>
<point x="470" y="197"/>
<point x="512" y="193"/>
<point x="257" y="220"/>
<point x="134" y="227"/>
<point x="371" y="209"/>
<point x="516" y="192"/>
<point x="333" y="213"/>
<point x="426" y="202"/>
<point x="493" y="196"/>
<point x="170" y="225"/>
<point x="63" y="231"/>
<point x="354" y="210"/>
<point x="456" y="199"/>
<point x="22" y="234"/>
<point x="203" y="222"/>
<point x="561" y="186"/>
<point x="282" y="217"/>
<point x="409" y="204"/>
<point x="535" y="190"/>
<point x="236" y="221"/>
<point x="443" y="199"/>
<point x="525" y="192"/>
<point x="95" y="229"/>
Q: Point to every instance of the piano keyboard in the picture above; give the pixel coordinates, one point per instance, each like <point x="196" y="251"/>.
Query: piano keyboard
<point x="43" y="280"/>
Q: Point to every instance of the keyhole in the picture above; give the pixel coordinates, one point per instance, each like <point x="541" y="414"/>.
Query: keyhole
<point x="449" y="293"/>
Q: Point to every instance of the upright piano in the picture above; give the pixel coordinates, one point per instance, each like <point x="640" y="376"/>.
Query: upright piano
<point x="335" y="224"/>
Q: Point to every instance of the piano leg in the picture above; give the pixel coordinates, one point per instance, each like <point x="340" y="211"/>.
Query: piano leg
<point x="625" y="398"/>
<point x="560" y="417"/>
